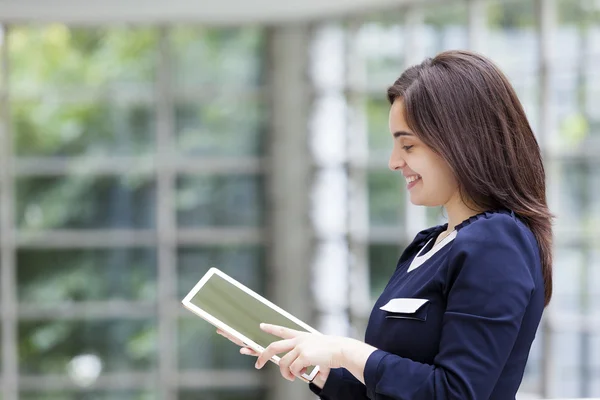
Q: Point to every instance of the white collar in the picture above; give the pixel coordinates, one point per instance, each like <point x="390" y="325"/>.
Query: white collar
<point x="420" y="259"/>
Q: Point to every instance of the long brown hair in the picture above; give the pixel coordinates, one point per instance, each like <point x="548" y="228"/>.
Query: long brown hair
<point x="464" y="108"/>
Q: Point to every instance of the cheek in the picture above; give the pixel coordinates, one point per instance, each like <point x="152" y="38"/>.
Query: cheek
<point x="438" y="177"/>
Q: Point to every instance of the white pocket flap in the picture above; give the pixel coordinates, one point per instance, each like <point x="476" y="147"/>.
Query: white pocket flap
<point x="403" y="305"/>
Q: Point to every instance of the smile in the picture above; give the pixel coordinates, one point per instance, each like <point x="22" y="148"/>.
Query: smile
<point x="412" y="178"/>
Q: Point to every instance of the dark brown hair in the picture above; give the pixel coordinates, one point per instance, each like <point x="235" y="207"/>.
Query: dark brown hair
<point x="464" y="108"/>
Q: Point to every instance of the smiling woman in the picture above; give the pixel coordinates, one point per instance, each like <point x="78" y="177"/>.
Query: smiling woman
<point x="458" y="316"/>
<point x="460" y="312"/>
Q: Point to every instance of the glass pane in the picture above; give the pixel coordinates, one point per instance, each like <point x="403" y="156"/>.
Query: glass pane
<point x="89" y="395"/>
<point x="526" y="85"/>
<point x="53" y="276"/>
<point x="222" y="126"/>
<point x="578" y="29"/>
<point x="381" y="44"/>
<point x="246" y="264"/>
<point x="445" y="28"/>
<point x="579" y="201"/>
<point x="568" y="272"/>
<point x="382" y="264"/>
<point x="223" y="394"/>
<point x="512" y="25"/>
<point x="200" y="347"/>
<point x="575" y="100"/>
<point x="220" y="200"/>
<point x="85" y="202"/>
<point x="106" y="346"/>
<point x="566" y="350"/>
<point x="575" y="80"/>
<point x="386" y="198"/>
<point x="82" y="90"/>
<point x="59" y="126"/>
<point x="379" y="136"/>
<point x="218" y="56"/>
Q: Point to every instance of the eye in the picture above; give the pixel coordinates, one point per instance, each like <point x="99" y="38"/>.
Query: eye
<point x="407" y="148"/>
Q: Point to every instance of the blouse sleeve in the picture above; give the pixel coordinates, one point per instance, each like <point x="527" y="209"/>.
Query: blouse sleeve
<point x="341" y="385"/>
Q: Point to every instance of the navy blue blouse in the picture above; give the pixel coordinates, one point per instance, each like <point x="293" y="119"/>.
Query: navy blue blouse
<point x="461" y="324"/>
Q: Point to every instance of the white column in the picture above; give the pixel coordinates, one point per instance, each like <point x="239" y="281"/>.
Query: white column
<point x="289" y="178"/>
<point x="329" y="196"/>
<point x="359" y="297"/>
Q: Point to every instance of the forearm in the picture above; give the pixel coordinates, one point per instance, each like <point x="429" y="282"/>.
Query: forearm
<point x="354" y="357"/>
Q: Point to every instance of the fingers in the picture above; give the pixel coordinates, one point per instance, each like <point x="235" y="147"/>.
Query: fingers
<point x="298" y="366"/>
<point x="282" y="346"/>
<point x="280" y="331"/>
<point x="284" y="365"/>
<point x="248" y="352"/>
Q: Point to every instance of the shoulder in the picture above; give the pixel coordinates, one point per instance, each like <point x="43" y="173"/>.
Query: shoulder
<point x="497" y="247"/>
<point x="499" y="228"/>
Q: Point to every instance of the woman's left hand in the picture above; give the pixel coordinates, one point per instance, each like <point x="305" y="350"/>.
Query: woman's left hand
<point x="302" y="350"/>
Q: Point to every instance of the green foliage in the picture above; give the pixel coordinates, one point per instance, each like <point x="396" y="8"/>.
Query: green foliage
<point x="220" y="201"/>
<point x="89" y="94"/>
<point x="61" y="276"/>
<point x="122" y="345"/>
<point x="440" y="16"/>
<point x="511" y="15"/>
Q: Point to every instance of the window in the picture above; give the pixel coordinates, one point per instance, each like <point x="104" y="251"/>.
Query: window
<point x="136" y="168"/>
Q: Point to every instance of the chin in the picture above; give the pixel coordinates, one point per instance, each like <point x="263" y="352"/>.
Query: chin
<point x="417" y="200"/>
<point x="424" y="201"/>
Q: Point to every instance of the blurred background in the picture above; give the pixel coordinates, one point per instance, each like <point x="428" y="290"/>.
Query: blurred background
<point x="143" y="142"/>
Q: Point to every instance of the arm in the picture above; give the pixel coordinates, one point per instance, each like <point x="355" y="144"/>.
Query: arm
<point x="342" y="382"/>
<point x="490" y="286"/>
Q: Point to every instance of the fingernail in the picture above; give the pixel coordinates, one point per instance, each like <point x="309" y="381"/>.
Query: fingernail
<point x="262" y="325"/>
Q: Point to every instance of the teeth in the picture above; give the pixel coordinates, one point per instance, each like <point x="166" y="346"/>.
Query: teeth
<point x="412" y="178"/>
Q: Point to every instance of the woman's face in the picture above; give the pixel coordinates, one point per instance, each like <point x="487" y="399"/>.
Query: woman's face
<point x="429" y="179"/>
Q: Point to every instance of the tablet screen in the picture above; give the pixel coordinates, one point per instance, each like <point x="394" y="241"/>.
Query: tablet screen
<point x="242" y="311"/>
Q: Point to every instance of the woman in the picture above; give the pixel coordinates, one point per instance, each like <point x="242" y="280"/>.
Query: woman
<point x="459" y="314"/>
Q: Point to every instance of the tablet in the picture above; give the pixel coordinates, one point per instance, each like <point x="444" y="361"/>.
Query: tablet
<point x="234" y="308"/>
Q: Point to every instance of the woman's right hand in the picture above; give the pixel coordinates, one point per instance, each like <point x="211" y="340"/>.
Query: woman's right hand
<point x="319" y="380"/>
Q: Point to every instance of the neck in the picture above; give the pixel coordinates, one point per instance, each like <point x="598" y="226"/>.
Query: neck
<point x="458" y="211"/>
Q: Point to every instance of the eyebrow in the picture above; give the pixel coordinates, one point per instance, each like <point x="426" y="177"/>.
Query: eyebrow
<point x="402" y="133"/>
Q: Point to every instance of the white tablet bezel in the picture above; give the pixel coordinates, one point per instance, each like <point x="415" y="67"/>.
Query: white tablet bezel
<point x="238" y="335"/>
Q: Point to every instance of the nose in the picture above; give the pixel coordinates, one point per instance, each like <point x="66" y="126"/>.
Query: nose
<point x="396" y="162"/>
